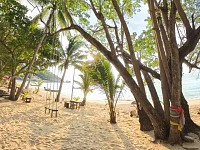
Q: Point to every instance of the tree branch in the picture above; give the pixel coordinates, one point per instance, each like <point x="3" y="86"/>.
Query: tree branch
<point x="149" y="70"/>
<point x="164" y="11"/>
<point x="127" y="57"/>
<point x="190" y="44"/>
<point x="130" y="45"/>
<point x="183" y="17"/>
<point x="93" y="41"/>
<point x="190" y="65"/>
<point x="62" y="30"/>
<point x="100" y="16"/>
<point x="161" y="51"/>
<point x="9" y="50"/>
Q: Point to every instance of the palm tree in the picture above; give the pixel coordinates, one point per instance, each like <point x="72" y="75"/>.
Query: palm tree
<point x="69" y="56"/>
<point x="84" y="85"/>
<point x="101" y="74"/>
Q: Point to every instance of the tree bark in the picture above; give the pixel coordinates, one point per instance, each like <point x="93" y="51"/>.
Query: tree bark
<point x="166" y="94"/>
<point x="61" y="84"/>
<point x="12" y="85"/>
<point x="160" y="44"/>
<point x="113" y="117"/>
<point x="175" y="114"/>
<point x="29" y="81"/>
<point x="154" y="95"/>
<point x="145" y="122"/>
<point x="83" y="102"/>
<point x="112" y="112"/>
<point x="13" y="89"/>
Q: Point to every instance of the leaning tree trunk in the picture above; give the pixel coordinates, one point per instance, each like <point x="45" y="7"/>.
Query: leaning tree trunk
<point x="154" y="95"/>
<point x="29" y="81"/>
<point x="35" y="53"/>
<point x="61" y="84"/>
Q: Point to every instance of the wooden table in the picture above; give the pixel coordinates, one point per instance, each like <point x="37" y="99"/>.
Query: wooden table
<point x="75" y="104"/>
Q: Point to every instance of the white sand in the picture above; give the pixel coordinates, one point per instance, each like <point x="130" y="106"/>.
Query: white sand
<point x="25" y="126"/>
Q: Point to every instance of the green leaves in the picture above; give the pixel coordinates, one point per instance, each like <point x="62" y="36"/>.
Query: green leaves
<point x="145" y="47"/>
<point x="71" y="55"/>
<point x="13" y="13"/>
<point x="101" y="74"/>
<point x="18" y="39"/>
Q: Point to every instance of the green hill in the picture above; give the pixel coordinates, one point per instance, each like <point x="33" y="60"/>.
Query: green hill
<point x="47" y="75"/>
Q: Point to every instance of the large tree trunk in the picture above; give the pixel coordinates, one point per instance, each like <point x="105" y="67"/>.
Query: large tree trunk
<point x="12" y="85"/>
<point x="166" y="94"/>
<point x="176" y="109"/>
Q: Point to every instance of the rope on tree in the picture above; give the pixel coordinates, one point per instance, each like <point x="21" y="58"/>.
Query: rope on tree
<point x="52" y="87"/>
<point x="177" y="112"/>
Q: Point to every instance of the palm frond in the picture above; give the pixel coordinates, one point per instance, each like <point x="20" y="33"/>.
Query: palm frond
<point x="38" y="17"/>
<point x="61" y="19"/>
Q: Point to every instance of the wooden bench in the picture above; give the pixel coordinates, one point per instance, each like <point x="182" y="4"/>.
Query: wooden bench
<point x="75" y="104"/>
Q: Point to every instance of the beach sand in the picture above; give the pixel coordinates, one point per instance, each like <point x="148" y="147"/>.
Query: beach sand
<point x="25" y="126"/>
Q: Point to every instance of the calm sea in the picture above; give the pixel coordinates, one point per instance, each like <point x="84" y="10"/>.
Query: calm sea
<point x="191" y="89"/>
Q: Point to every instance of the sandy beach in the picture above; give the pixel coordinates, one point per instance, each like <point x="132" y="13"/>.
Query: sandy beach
<point x="25" y="126"/>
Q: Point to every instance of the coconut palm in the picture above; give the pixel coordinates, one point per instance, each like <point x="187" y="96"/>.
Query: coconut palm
<point x="69" y="56"/>
<point x="101" y="74"/>
<point x="84" y="85"/>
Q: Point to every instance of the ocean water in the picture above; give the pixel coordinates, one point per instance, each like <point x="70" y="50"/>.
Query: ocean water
<point x="191" y="85"/>
<point x="191" y="89"/>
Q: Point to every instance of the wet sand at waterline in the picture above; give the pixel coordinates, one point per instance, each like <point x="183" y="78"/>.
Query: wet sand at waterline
<point x="25" y="126"/>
